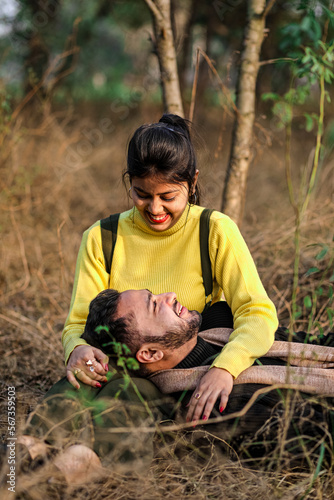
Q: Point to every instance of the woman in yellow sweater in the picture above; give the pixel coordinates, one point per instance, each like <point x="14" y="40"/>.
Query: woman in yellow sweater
<point x="158" y="248"/>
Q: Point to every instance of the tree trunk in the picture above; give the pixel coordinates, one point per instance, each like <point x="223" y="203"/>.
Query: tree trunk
<point x="204" y="70"/>
<point x="242" y="139"/>
<point x="186" y="53"/>
<point x="165" y="48"/>
<point x="37" y="58"/>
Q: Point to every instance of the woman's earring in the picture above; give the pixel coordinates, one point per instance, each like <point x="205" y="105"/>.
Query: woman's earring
<point x="193" y="198"/>
<point x="130" y="193"/>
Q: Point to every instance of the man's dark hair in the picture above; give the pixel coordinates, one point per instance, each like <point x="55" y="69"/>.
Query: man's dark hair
<point x="103" y="312"/>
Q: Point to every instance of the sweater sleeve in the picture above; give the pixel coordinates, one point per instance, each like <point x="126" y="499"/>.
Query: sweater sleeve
<point x="90" y="278"/>
<point x="255" y="318"/>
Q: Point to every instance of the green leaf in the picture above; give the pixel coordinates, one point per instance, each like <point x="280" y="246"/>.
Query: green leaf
<point x="330" y="292"/>
<point x="111" y="373"/>
<point x="121" y="362"/>
<point x="132" y="364"/>
<point x="312" y="270"/>
<point x="331" y="277"/>
<point x="98" y="420"/>
<point x="117" y="348"/>
<point x="309" y="122"/>
<point x="107" y="344"/>
<point x="306" y="23"/>
<point x="283" y="111"/>
<point x="270" y="95"/>
<point x="307" y="57"/>
<point x="100" y="329"/>
<point x="297" y="314"/>
<point x="126" y="349"/>
<point x="99" y="405"/>
<point x="322" y="253"/>
<point x="317" y="324"/>
<point x="329" y="14"/>
<point x="307" y="302"/>
<point x="328" y="75"/>
<point x="330" y="314"/>
<point x="126" y="383"/>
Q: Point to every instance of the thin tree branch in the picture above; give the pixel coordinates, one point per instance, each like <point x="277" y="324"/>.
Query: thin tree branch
<point x="193" y="91"/>
<point x="222" y="86"/>
<point x="272" y="61"/>
<point x="154" y="9"/>
<point x="268" y="8"/>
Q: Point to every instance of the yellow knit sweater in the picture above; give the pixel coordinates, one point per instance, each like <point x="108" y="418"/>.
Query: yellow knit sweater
<point x="169" y="261"/>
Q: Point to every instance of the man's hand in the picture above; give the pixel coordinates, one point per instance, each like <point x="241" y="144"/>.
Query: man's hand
<point x="216" y="383"/>
<point x="77" y="368"/>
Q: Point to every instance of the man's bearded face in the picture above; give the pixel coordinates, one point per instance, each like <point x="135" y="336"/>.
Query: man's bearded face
<point x="159" y="318"/>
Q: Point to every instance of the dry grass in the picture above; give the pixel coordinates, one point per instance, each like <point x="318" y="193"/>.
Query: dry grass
<point x="53" y="186"/>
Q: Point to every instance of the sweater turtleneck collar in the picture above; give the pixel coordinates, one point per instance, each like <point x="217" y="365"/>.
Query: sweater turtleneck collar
<point x="202" y="354"/>
<point x="142" y="224"/>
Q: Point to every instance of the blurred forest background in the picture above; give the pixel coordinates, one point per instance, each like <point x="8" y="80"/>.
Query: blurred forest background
<point x="77" y="78"/>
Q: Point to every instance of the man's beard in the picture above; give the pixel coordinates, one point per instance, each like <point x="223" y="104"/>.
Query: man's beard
<point x="180" y="335"/>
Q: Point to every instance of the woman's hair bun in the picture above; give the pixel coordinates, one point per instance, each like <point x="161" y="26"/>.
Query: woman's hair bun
<point x="176" y="122"/>
<point x="164" y="149"/>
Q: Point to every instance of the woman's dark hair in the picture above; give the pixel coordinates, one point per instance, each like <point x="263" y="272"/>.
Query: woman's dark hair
<point x="164" y="149"/>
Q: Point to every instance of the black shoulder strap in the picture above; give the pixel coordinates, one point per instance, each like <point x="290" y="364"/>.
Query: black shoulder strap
<point x="109" y="227"/>
<point x="204" y="228"/>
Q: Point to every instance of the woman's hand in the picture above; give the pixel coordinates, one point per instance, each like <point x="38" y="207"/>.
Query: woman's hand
<point x="77" y="368"/>
<point x="216" y="383"/>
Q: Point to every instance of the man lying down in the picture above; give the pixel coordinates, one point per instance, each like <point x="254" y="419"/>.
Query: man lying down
<point x="164" y="338"/>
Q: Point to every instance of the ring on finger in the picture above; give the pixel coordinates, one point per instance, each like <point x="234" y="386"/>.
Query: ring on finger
<point x="76" y="371"/>
<point x="197" y="396"/>
<point x="91" y="368"/>
<point x="89" y="362"/>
